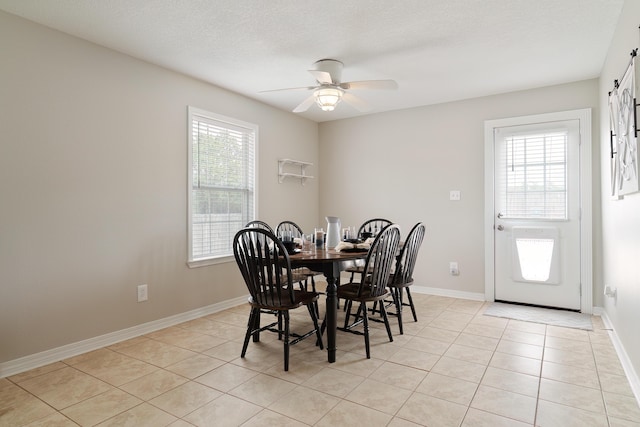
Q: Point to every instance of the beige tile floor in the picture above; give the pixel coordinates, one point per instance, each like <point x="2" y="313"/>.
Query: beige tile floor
<point x="454" y="367"/>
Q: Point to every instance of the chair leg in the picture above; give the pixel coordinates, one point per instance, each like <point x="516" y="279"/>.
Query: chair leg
<point x="323" y="325"/>
<point x="360" y="309"/>
<point x="386" y="322"/>
<point x="250" y="328"/>
<point x="365" y="322"/>
<point x="373" y="308"/>
<point x="413" y="308"/>
<point x="314" y="317"/>
<point x="397" y="297"/>
<point x="286" y="340"/>
<point x="347" y="309"/>
<point x="256" y="326"/>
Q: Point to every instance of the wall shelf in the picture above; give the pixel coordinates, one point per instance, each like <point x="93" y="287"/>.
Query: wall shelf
<point x="288" y="168"/>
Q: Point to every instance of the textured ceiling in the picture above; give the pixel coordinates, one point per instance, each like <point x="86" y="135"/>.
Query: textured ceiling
<point x="437" y="50"/>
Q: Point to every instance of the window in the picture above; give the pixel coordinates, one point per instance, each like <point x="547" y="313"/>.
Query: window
<point x="535" y="171"/>
<point x="222" y="191"/>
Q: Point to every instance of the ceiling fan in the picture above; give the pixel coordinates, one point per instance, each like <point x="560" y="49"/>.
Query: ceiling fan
<point x="330" y="90"/>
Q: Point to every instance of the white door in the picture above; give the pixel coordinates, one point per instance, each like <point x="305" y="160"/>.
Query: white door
<point x="537" y="251"/>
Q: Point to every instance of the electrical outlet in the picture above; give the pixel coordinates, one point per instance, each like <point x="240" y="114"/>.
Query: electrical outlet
<point x="142" y="293"/>
<point x="453" y="268"/>
<point x="454" y="195"/>
<point x="610" y="291"/>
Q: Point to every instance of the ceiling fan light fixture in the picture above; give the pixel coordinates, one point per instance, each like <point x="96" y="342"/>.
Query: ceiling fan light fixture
<point x="328" y="97"/>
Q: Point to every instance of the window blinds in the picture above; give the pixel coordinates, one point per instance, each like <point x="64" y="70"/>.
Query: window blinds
<point x="222" y="184"/>
<point x="535" y="172"/>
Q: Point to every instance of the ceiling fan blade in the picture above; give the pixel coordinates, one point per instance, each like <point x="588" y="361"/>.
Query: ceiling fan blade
<point x="371" y="84"/>
<point x="290" y="88"/>
<point x="322" y="77"/>
<point x="304" y="105"/>
<point x="358" y="103"/>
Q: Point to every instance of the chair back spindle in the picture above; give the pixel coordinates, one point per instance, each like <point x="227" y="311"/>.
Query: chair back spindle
<point x="380" y="260"/>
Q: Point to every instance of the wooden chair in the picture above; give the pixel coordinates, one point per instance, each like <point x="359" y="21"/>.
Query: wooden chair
<point x="402" y="277"/>
<point x="259" y="224"/>
<point x="307" y="273"/>
<point x="368" y="229"/>
<point x="373" y="284"/>
<point x="372" y="227"/>
<point x="261" y="258"/>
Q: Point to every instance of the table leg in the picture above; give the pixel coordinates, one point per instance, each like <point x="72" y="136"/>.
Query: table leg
<point x="332" y="317"/>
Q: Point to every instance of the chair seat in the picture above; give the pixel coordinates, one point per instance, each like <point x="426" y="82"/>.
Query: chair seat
<point x="393" y="284"/>
<point x="301" y="298"/>
<point x="350" y="292"/>
<point x="297" y="276"/>
<point x="302" y="275"/>
<point x="306" y="271"/>
<point x="355" y="269"/>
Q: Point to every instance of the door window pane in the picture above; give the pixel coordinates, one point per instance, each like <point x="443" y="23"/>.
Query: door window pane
<point x="535" y="176"/>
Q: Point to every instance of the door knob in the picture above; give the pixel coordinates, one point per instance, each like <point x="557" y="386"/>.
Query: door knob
<point x="500" y="215"/>
<point x="500" y="228"/>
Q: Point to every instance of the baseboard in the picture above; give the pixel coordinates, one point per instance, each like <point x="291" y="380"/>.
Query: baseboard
<point x="632" y="375"/>
<point x="448" y="293"/>
<point x="26" y="363"/>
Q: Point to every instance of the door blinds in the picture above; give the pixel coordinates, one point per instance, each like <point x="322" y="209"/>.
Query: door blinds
<point x="535" y="176"/>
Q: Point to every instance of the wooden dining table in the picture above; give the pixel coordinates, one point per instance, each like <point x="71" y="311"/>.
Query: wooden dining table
<point x="330" y="262"/>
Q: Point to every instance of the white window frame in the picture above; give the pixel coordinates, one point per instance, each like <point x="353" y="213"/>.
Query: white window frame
<point x="218" y="120"/>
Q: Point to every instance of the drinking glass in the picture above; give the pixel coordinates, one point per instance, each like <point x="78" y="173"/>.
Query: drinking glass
<point x="349" y="233"/>
<point x="307" y="242"/>
<point x="353" y="232"/>
<point x="319" y="237"/>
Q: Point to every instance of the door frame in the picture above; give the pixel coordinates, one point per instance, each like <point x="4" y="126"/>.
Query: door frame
<point x="586" y="183"/>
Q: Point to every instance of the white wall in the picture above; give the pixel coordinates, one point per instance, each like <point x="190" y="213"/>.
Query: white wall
<point x="93" y="177"/>
<point x="401" y="165"/>
<point x="621" y="219"/>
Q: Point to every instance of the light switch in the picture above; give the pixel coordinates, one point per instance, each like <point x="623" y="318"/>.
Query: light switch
<point x="454" y="195"/>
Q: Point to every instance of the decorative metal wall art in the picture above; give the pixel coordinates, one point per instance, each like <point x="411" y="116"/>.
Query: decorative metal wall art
<point x="625" y="177"/>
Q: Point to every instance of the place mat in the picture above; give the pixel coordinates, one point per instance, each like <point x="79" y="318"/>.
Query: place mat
<point x="548" y="316"/>
<point x="355" y="250"/>
<point x="352" y="247"/>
